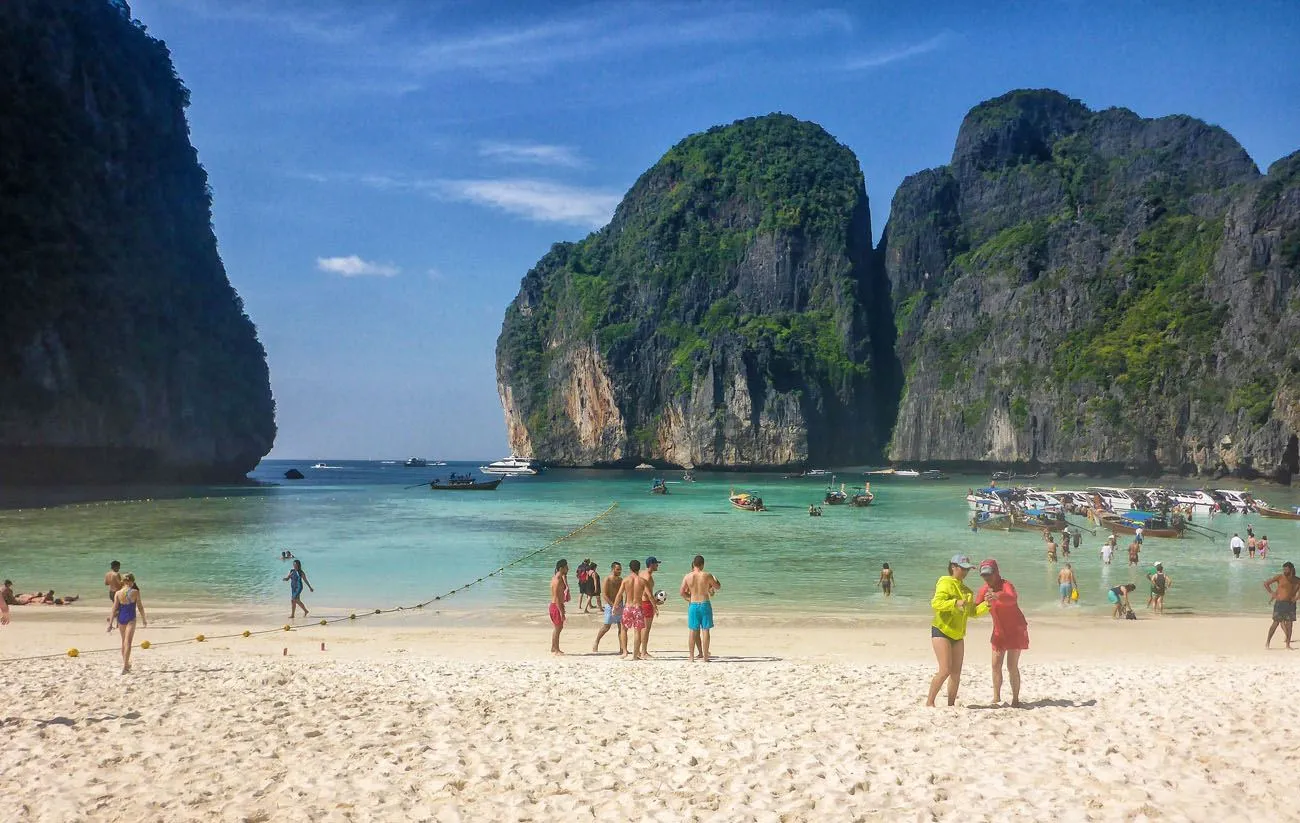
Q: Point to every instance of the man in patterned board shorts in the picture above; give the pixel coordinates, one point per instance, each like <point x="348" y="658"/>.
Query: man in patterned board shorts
<point x="1282" y="590"/>
<point x="629" y="599"/>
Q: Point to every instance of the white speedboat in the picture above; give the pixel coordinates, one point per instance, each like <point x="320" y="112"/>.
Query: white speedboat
<point x="1242" y="502"/>
<point x="1199" y="501"/>
<point x="1116" y="500"/>
<point x="907" y="473"/>
<point x="512" y="466"/>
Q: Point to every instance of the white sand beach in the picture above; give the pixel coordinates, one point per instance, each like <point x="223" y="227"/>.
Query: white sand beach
<point x="1164" y="719"/>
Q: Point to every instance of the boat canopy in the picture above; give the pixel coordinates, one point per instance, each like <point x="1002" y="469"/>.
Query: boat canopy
<point x="1140" y="517"/>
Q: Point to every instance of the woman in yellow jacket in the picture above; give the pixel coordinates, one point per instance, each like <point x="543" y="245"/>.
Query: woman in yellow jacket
<point x="953" y="604"/>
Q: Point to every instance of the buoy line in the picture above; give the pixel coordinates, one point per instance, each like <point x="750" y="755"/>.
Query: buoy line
<point x="200" y="638"/>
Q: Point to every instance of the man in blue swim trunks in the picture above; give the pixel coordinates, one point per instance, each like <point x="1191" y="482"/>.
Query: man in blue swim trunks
<point x="698" y="586"/>
<point x="613" y="615"/>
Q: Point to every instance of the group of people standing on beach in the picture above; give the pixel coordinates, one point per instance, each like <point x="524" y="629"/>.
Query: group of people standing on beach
<point x="631" y="604"/>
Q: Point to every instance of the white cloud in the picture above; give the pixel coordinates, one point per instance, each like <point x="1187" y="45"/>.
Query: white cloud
<point x="616" y="31"/>
<point x="537" y="200"/>
<point x="354" y="266"/>
<point x="535" y="153"/>
<point x="884" y="58"/>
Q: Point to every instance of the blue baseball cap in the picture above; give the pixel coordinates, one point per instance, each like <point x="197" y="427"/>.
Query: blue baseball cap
<point x="652" y="561"/>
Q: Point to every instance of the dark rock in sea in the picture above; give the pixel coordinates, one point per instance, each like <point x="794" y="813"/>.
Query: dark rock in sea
<point x="125" y="355"/>
<point x="731" y="314"/>
<point x="293" y="474"/>
<point x="1096" y="287"/>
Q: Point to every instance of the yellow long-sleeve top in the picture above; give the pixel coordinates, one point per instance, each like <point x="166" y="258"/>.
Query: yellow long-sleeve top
<point x="947" y="617"/>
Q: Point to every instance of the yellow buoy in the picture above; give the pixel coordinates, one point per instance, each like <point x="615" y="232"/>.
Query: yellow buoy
<point x="352" y="616"/>
<point x="324" y="622"/>
<point x="287" y="627"/>
<point x="199" y="638"/>
<point x="144" y="645"/>
<point x="73" y="652"/>
<point x="247" y="632"/>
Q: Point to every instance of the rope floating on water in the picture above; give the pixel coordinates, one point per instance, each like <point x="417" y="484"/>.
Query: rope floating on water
<point x="324" y="622"/>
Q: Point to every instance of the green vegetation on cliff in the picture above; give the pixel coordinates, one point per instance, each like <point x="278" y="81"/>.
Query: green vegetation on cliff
<point x="749" y="239"/>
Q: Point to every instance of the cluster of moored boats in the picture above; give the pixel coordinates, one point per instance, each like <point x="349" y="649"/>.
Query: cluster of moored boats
<point x="1153" y="512"/>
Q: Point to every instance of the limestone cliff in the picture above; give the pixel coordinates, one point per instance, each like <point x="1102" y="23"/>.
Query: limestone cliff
<point x="731" y="314"/>
<point x="124" y="352"/>
<point x="1094" y="289"/>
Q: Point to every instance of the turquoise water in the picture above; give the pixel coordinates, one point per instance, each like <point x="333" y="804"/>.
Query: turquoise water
<point x="367" y="542"/>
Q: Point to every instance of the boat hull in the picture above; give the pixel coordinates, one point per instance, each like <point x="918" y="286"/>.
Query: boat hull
<point x="1280" y="514"/>
<point x="476" y="486"/>
<point x="999" y="522"/>
<point x="1118" y="527"/>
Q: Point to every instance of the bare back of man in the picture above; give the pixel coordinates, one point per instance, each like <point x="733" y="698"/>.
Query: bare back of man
<point x="629" y="599"/>
<point x="698" y="588"/>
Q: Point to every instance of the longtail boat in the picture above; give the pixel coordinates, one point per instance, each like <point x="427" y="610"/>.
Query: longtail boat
<point x="748" y="501"/>
<point x="1281" y="514"/>
<point x="1038" y="520"/>
<point x="464" y="484"/>
<point x="990" y="520"/>
<point x="1152" y="524"/>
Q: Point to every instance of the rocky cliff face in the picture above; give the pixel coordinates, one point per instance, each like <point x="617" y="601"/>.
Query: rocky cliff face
<point x="1097" y="290"/>
<point x="124" y="352"/>
<point x="731" y="314"/>
<point x="1080" y="290"/>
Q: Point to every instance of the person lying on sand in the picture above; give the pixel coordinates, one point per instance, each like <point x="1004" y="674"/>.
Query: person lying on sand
<point x="46" y="599"/>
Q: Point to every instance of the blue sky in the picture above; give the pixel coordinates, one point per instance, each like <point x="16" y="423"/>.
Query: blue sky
<point x="385" y="172"/>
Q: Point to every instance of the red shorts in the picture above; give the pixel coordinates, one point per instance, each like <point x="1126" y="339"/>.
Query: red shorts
<point x="633" y="618"/>
<point x="557" y="617"/>
<point x="648" y="610"/>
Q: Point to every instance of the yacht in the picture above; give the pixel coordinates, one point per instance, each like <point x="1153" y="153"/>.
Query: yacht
<point x="416" y="462"/>
<point x="512" y="466"/>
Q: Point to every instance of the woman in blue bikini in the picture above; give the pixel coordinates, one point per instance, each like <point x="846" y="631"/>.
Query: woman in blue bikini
<point x="126" y="602"/>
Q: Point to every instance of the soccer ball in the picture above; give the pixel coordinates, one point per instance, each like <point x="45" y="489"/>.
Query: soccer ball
<point x="661" y="596"/>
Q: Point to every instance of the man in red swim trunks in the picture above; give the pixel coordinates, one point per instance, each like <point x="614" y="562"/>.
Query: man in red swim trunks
<point x="629" y="600"/>
<point x="648" y="605"/>
<point x="559" y="596"/>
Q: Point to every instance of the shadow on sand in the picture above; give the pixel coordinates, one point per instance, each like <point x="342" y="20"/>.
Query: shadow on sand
<point x="1045" y="703"/>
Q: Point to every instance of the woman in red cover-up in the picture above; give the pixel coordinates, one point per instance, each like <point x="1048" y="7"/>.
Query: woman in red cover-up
<point x="1010" y="629"/>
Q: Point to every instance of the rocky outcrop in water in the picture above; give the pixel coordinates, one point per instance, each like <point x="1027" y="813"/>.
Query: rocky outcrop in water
<point x="1096" y="290"/>
<point x="731" y="314"/>
<point x="125" y="355"/>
